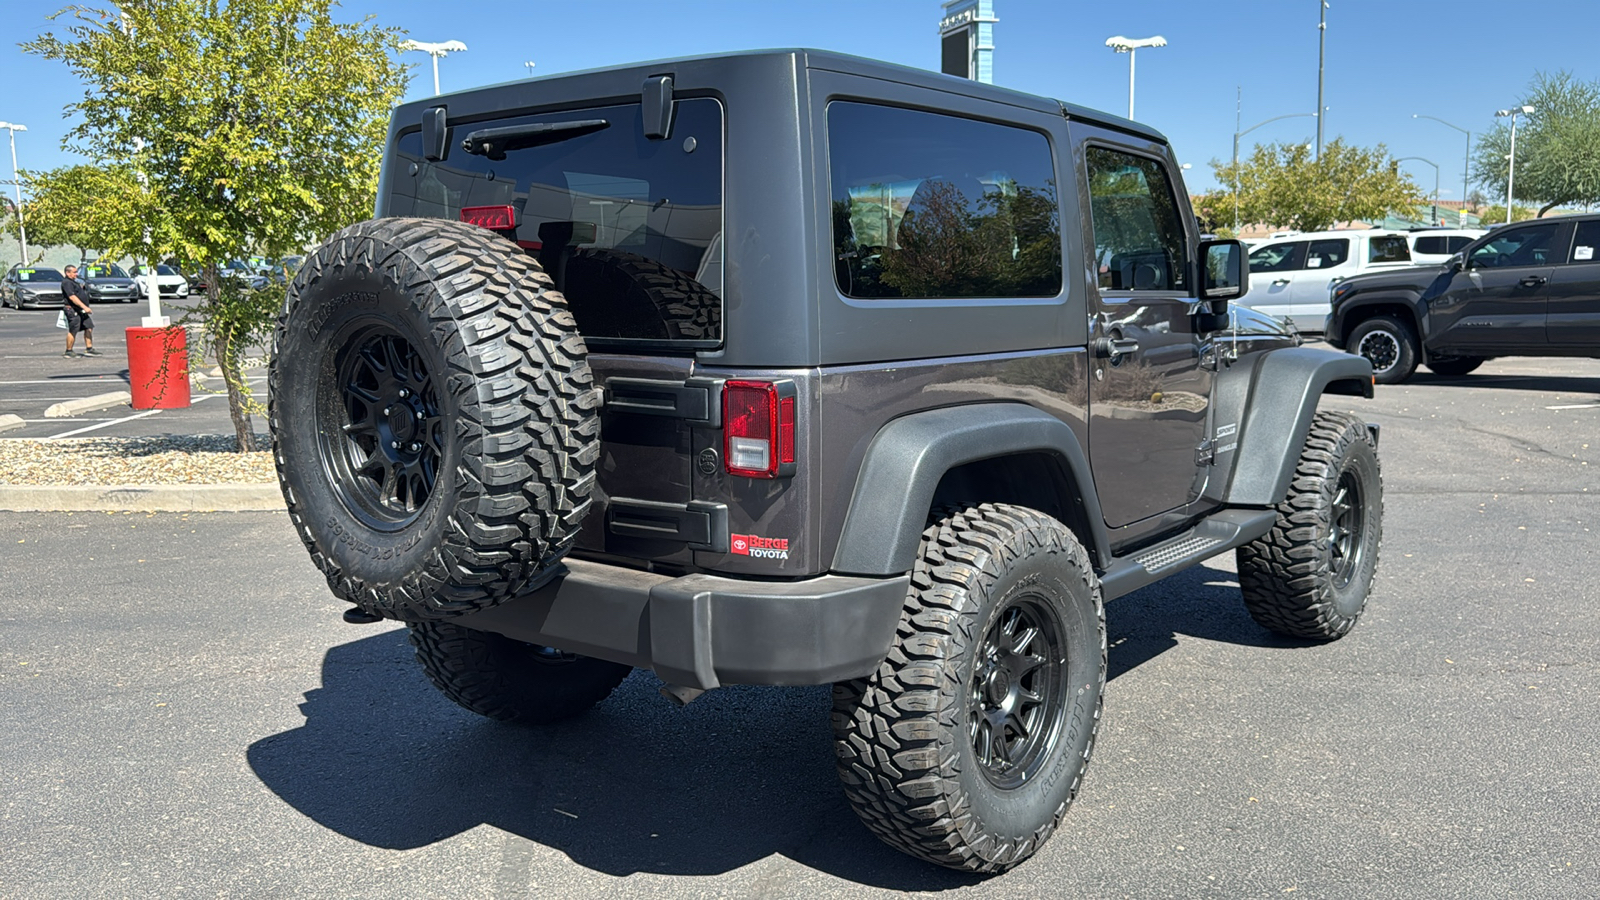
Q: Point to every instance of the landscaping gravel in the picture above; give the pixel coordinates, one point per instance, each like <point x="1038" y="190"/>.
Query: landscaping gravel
<point x="159" y="460"/>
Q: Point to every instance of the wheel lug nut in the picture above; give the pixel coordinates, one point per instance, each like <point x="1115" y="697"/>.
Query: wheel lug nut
<point x="415" y="446"/>
<point x="404" y="393"/>
<point x="394" y="445"/>
<point x="387" y="410"/>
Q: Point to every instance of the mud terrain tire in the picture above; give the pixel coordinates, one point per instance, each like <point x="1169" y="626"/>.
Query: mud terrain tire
<point x="1003" y="632"/>
<point x="506" y="679"/>
<point x="624" y="295"/>
<point x="1310" y="575"/>
<point x="433" y="417"/>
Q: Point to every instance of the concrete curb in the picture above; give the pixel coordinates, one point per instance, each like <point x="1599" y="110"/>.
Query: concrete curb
<point x="11" y="423"/>
<point x="88" y="404"/>
<point x="141" y="498"/>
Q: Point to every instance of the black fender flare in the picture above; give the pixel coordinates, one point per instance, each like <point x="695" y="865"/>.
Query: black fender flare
<point x="1274" y="411"/>
<point x="907" y="458"/>
<point x="1351" y="309"/>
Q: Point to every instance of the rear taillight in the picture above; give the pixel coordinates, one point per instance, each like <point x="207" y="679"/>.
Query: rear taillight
<point x="758" y="428"/>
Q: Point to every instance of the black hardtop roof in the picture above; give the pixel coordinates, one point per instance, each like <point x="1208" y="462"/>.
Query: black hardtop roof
<point x="835" y="62"/>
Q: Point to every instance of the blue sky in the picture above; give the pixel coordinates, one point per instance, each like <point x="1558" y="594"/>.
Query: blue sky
<point x="1386" y="59"/>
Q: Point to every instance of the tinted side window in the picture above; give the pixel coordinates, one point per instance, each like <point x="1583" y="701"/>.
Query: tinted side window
<point x="1586" y="242"/>
<point x="1328" y="253"/>
<point x="1139" y="241"/>
<point x="1387" y="249"/>
<point x="1288" y="257"/>
<point x="1531" y="245"/>
<point x="1433" y="244"/>
<point x="933" y="206"/>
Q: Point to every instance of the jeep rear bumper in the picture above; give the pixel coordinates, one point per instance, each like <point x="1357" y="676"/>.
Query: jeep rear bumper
<point x="702" y="631"/>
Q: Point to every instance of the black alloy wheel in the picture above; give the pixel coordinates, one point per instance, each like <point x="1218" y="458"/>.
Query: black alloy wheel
<point x="1388" y="344"/>
<point x="381" y="435"/>
<point x="1015" y="695"/>
<point x="1345" y="546"/>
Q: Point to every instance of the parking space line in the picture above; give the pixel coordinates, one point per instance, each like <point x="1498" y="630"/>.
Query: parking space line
<point x="105" y="424"/>
<point x="1576" y="406"/>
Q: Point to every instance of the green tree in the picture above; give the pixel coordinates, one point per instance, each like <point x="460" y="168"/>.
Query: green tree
<point x="225" y="128"/>
<point x="1282" y="186"/>
<point x="1496" y="214"/>
<point x="1558" y="146"/>
<point x="85" y="206"/>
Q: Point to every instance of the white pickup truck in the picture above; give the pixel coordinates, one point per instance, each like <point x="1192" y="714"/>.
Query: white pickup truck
<point x="1291" y="276"/>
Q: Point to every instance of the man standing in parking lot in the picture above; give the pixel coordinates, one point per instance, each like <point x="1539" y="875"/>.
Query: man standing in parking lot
<point x="75" y="299"/>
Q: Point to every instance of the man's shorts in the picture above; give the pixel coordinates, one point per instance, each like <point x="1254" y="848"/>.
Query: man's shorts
<point x="79" y="321"/>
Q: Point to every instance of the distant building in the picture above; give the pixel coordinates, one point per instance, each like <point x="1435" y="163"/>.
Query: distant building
<point x="966" y="40"/>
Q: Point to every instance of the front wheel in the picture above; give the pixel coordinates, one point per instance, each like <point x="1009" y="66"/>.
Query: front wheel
<point x="1389" y="345"/>
<point x="1310" y="575"/>
<point x="969" y="742"/>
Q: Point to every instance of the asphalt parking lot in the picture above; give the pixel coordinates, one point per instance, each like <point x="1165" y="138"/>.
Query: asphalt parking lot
<point x="34" y="375"/>
<point x="185" y="715"/>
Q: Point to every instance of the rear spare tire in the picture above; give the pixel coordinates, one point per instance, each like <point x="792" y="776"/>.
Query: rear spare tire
<point x="625" y="295"/>
<point x="433" y="418"/>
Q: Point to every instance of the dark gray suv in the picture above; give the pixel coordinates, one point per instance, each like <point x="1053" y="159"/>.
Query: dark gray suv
<point x="793" y="368"/>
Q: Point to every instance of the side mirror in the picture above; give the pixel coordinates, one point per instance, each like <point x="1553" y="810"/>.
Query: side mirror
<point x="1458" y="262"/>
<point x="1224" y="274"/>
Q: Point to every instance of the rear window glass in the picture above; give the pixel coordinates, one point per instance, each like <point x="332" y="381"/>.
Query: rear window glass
<point x="932" y="206"/>
<point x="629" y="228"/>
<point x="1386" y="249"/>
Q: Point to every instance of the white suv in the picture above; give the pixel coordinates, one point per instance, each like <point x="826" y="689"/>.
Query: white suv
<point x="1290" y="277"/>
<point x="1435" y="246"/>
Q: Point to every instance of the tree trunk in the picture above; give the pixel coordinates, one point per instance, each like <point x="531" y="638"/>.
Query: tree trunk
<point x="243" y="428"/>
<point x="1546" y="208"/>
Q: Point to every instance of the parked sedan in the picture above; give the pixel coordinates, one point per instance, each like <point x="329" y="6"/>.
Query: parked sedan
<point x="107" y="283"/>
<point x="30" y="287"/>
<point x="169" y="282"/>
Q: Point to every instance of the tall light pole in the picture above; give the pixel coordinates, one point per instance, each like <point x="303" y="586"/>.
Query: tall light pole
<point x="1322" y="52"/>
<point x="1129" y="45"/>
<point x="1435" y="183"/>
<point x="1466" y="161"/>
<point x="1240" y="134"/>
<point x="1511" y="170"/>
<point x="530" y="64"/>
<point x="435" y="51"/>
<point x="16" y="182"/>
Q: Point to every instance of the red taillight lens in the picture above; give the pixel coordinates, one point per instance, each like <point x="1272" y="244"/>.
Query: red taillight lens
<point x="758" y="428"/>
<point x="494" y="218"/>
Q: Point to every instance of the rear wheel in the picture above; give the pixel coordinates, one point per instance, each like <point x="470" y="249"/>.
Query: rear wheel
<point x="1389" y="345"/>
<point x="1453" y="366"/>
<point x="433" y="417"/>
<point x="970" y="740"/>
<point x="501" y="678"/>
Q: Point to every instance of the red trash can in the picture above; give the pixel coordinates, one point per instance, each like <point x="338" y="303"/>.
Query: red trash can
<point x="158" y="367"/>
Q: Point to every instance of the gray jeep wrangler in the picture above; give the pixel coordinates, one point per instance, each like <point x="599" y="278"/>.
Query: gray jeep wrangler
<point x="792" y="368"/>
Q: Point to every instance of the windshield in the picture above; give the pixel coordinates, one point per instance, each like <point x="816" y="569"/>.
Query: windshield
<point x="101" y="270"/>
<point x="629" y="228"/>
<point x="39" y="276"/>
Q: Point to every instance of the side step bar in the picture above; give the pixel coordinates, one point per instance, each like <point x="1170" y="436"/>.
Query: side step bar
<point x="1218" y="533"/>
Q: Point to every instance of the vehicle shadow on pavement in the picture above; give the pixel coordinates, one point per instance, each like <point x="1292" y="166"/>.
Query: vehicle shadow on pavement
<point x="634" y="785"/>
<point x="1200" y="602"/>
<point x="1550" y="384"/>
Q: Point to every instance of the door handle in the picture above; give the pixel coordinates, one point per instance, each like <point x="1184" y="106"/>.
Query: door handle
<point x="1115" y="348"/>
<point x="1532" y="281"/>
<point x="1281" y="281"/>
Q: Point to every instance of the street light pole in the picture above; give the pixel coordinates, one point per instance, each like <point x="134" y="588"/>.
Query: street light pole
<point x="1322" y="52"/>
<point x="1511" y="168"/>
<point x="1435" y="183"/>
<point x="1240" y="134"/>
<point x="16" y="183"/>
<point x="435" y="51"/>
<point x="1129" y="45"/>
<point x="1466" y="161"/>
